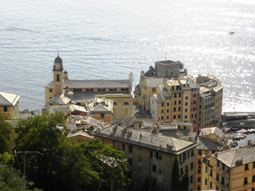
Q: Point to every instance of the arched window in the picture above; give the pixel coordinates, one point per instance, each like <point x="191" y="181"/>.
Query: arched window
<point x="57" y="77"/>
<point x="126" y="103"/>
<point x="114" y="103"/>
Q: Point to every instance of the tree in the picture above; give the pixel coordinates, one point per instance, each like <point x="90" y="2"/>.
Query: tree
<point x="62" y="162"/>
<point x="67" y="164"/>
<point x="109" y="163"/>
<point x="184" y="186"/>
<point x="10" y="179"/>
<point x="175" y="180"/>
<point x="6" y="134"/>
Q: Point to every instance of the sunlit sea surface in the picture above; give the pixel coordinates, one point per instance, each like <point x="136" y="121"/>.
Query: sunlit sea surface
<point x="100" y="39"/>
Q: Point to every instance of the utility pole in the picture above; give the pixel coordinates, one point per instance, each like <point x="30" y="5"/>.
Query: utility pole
<point x="25" y="152"/>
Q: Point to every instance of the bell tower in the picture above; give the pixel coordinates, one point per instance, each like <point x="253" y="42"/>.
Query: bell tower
<point x="58" y="76"/>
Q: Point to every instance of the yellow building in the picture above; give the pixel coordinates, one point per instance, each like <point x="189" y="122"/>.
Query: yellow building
<point x="83" y="89"/>
<point x="151" y="155"/>
<point x="9" y="105"/>
<point x="230" y="170"/>
<point x="122" y="105"/>
<point x="101" y="109"/>
<point x="176" y="100"/>
<point x="210" y="140"/>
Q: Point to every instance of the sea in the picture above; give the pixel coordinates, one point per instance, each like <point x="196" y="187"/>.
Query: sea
<point x="108" y="39"/>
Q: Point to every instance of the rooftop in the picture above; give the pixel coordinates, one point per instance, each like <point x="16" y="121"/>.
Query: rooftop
<point x="231" y="158"/>
<point x="107" y="83"/>
<point x="8" y="99"/>
<point x="146" y="139"/>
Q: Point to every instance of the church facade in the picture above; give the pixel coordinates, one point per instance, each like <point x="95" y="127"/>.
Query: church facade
<point x="64" y="89"/>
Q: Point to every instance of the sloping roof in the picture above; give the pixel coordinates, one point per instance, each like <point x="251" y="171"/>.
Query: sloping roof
<point x="49" y="85"/>
<point x="229" y="158"/>
<point x="59" y="99"/>
<point x="77" y="107"/>
<point x="79" y="133"/>
<point x="8" y="99"/>
<point x="97" y="83"/>
<point x="207" y="144"/>
<point x="100" y="109"/>
<point x="146" y="139"/>
<point x="211" y="130"/>
<point x="153" y="82"/>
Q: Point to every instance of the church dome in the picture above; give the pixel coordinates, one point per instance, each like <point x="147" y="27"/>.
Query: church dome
<point x="58" y="60"/>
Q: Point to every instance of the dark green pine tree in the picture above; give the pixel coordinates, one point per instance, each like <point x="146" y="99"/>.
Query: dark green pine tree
<point x="184" y="186"/>
<point x="175" y="180"/>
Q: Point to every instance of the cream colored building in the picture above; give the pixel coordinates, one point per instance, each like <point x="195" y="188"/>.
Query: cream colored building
<point x="9" y="105"/>
<point x="230" y="170"/>
<point x="151" y="155"/>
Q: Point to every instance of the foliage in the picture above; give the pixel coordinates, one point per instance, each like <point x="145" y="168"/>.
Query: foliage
<point x="175" y="181"/>
<point x="66" y="164"/>
<point x="184" y="186"/>
<point x="10" y="179"/>
<point x="6" y="134"/>
<point x="109" y="163"/>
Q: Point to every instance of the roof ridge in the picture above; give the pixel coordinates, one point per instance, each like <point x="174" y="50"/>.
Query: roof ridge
<point x="233" y="157"/>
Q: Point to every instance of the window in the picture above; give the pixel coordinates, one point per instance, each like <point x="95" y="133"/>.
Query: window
<point x="162" y="117"/>
<point x="192" y="152"/>
<point x="186" y="97"/>
<point x="159" y="171"/>
<point x="186" y="168"/>
<point x="174" y="102"/>
<point x="217" y="188"/>
<point x="194" y="108"/>
<point x="175" y="95"/>
<point x="198" y="179"/>
<point x="5" y="108"/>
<point x="205" y="181"/>
<point x="194" y="102"/>
<point x="125" y="103"/>
<point x="102" y="115"/>
<point x="253" y="164"/>
<point x="199" y="171"/>
<point x="206" y="169"/>
<point x="199" y="152"/>
<point x="181" y="171"/>
<point x="140" y="159"/>
<point x="57" y="77"/>
<point x="199" y="161"/>
<point x="222" y="180"/>
<point x="174" y="116"/>
<point x="123" y="147"/>
<point x="253" y="178"/>
<point x="167" y="104"/>
<point x="245" y="180"/>
<point x="180" y="101"/>
<point x="186" y="110"/>
<point x="211" y="185"/>
<point x="174" y="108"/>
<point x="179" y="116"/>
<point x="218" y="163"/>
<point x="246" y="166"/>
<point x="180" y="95"/>
<point x="186" y="103"/>
<point x="191" y="166"/>
<point x="162" y="111"/>
<point x="154" y="168"/>
<point x="167" y="110"/>
<point x="179" y="109"/>
<point x="211" y="173"/>
<point x="130" y="161"/>
<point x="153" y="89"/>
<point x="50" y="90"/>
<point x="223" y="166"/>
<point x="162" y="104"/>
<point x="167" y="117"/>
<point x="194" y="95"/>
<point x="191" y="178"/>
<point x="130" y="149"/>
<point x="186" y="116"/>
<point x="217" y="177"/>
